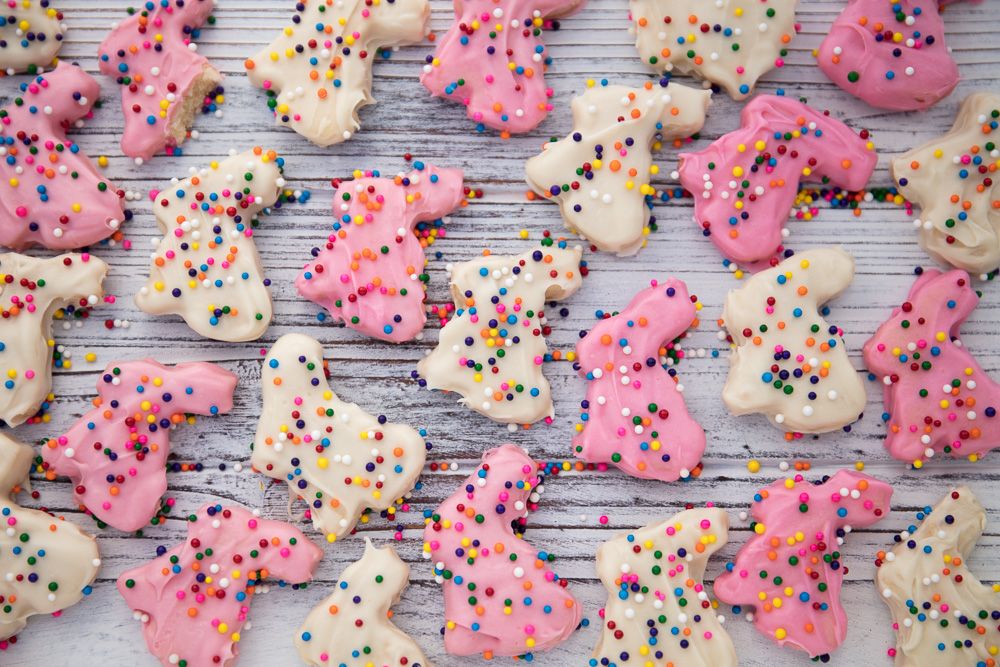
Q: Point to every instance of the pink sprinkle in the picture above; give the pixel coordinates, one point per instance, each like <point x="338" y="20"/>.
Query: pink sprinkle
<point x="603" y="519"/>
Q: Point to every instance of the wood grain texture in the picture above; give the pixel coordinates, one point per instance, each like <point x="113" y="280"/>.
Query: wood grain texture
<point x="596" y="43"/>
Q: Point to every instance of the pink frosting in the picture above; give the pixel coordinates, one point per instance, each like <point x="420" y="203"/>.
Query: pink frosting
<point x="512" y="100"/>
<point x="799" y="527"/>
<point x="60" y="201"/>
<point x="920" y="76"/>
<point x="153" y="72"/>
<point x="742" y="206"/>
<point x="138" y="403"/>
<point x="668" y="443"/>
<point x="373" y="231"/>
<point x="495" y="565"/>
<point x="937" y="397"/>
<point x="198" y="604"/>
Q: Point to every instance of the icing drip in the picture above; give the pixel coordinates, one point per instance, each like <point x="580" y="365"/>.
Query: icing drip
<point x="116" y="454"/>
<point x="790" y="570"/>
<point x="491" y="350"/>
<point x="370" y="273"/>
<point x="600" y="173"/>
<point x="634" y="416"/>
<point x="31" y="33"/>
<point x="333" y="455"/>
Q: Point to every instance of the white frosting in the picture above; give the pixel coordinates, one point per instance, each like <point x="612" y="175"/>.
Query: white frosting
<point x="29" y="17"/>
<point x="799" y="286"/>
<point x="517" y="393"/>
<point x="612" y="213"/>
<point x="64" y="558"/>
<point x="225" y="264"/>
<point x="26" y="335"/>
<point x="320" y="100"/>
<point x="338" y="626"/>
<point x="349" y="439"/>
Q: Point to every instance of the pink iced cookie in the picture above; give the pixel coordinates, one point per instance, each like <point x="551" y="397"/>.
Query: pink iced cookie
<point x="116" y="454"/>
<point x="477" y="553"/>
<point x="742" y="204"/>
<point x="890" y="54"/>
<point x="194" y="599"/>
<point x="790" y="570"/>
<point x="493" y="61"/>
<point x="369" y="272"/>
<point x="937" y="397"/>
<point x="54" y="197"/>
<point x="634" y="415"/>
<point x="163" y="79"/>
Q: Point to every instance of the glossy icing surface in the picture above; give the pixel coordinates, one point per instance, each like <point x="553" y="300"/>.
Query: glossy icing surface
<point x="31" y="291"/>
<point x="194" y="600"/>
<point x="519" y="605"/>
<point x="318" y="72"/>
<point x="206" y="267"/>
<point x="50" y="192"/>
<point x="600" y="172"/>
<point x="790" y="570"/>
<point x="333" y="455"/>
<point x="499" y="302"/>
<point x="370" y="273"/>
<point x="745" y="184"/>
<point x="658" y="608"/>
<point x="787" y="361"/>
<point x="116" y="454"/>
<point x="634" y="416"/>
<point x="953" y="181"/>
<point x="937" y="397"/>
<point x="31" y="32"/>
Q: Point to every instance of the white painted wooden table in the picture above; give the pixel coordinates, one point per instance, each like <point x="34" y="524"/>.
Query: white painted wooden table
<point x="596" y="43"/>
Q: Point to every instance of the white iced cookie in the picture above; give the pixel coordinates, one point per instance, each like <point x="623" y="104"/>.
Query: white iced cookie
<point x="206" y="267"/>
<point x="318" y="72"/>
<point x="787" y="361"/>
<point x="491" y="350"/>
<point x="31" y="291"/>
<point x="600" y="172"/>
<point x="953" y="181"/>
<point x="656" y="594"/>
<point x="48" y="563"/>
<point x="352" y="624"/>
<point x="731" y="43"/>
<point x="333" y="455"/>
<point x="31" y="32"/>
<point x="941" y="613"/>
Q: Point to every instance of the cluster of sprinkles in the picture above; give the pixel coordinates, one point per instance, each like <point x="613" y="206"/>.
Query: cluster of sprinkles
<point x="731" y="43"/>
<point x="604" y="166"/>
<point x="337" y="458"/>
<point x="747" y="182"/>
<point x="164" y="81"/>
<point x="937" y="397"/>
<point x="205" y="267"/>
<point x="194" y="599"/>
<point x="318" y="72"/>
<point x="370" y="273"/>
<point x="32" y="292"/>
<point x="31" y="33"/>
<point x="50" y="192"/>
<point x="116" y="454"/>
<point x="493" y="61"/>
<point x="48" y="563"/>
<point x="952" y="180"/>
<point x="658" y="611"/>
<point x="790" y="570"/>
<point x="353" y="625"/>
<point x="890" y="53"/>
<point x="500" y="597"/>
<point x="790" y="362"/>
<point x="941" y="613"/>
<point x="634" y="415"/>
<point x="492" y="350"/>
